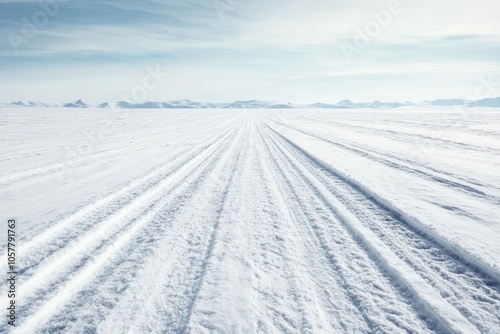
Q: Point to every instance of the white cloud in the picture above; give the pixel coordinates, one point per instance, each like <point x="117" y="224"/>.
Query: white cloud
<point x="261" y="49"/>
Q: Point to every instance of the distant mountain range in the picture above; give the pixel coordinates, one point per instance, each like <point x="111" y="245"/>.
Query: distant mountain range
<point x="255" y="104"/>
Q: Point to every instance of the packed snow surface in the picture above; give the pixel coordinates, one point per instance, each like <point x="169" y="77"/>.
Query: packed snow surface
<point x="253" y="221"/>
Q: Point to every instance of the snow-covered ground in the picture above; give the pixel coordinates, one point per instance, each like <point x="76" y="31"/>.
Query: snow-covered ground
<point x="253" y="221"/>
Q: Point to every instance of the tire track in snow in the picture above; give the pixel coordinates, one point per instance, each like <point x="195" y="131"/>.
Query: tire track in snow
<point x="85" y="272"/>
<point x="60" y="233"/>
<point x="476" y="296"/>
<point x="486" y="321"/>
<point x="324" y="255"/>
<point x="396" y="135"/>
<point x="457" y="121"/>
<point x="116" y="222"/>
<point x="490" y="269"/>
<point x="60" y="165"/>
<point x="121" y="268"/>
<point x="213" y="238"/>
<point x="179" y="263"/>
<point x="276" y="256"/>
<point x="26" y="155"/>
<point x="9" y="177"/>
<point x="325" y="286"/>
<point x="400" y="164"/>
<point x="382" y="307"/>
<point x="121" y="218"/>
<point x="50" y="248"/>
<point x="253" y="283"/>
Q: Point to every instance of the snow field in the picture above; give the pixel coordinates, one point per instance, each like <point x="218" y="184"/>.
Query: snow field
<point x="254" y="221"/>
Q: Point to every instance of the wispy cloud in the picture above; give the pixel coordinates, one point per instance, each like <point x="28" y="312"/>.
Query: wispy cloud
<point x="253" y="51"/>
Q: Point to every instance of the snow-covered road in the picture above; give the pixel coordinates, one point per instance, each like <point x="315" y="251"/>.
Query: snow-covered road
<point x="236" y="221"/>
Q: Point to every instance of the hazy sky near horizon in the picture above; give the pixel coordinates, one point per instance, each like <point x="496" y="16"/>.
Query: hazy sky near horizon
<point x="300" y="51"/>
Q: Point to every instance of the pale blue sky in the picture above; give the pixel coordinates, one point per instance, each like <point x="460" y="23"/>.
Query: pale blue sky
<point x="270" y="50"/>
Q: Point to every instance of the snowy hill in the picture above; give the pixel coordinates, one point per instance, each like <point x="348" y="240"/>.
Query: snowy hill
<point x="486" y="103"/>
<point x="76" y="104"/>
<point x="257" y="104"/>
<point x="448" y="102"/>
<point x="31" y="104"/>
